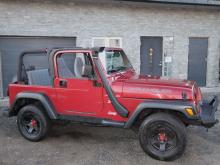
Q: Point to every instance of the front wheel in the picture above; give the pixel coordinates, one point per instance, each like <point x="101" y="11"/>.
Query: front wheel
<point x="33" y="123"/>
<point x="162" y="136"/>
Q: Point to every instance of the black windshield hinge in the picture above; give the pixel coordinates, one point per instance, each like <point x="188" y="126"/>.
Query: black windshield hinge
<point x="97" y="84"/>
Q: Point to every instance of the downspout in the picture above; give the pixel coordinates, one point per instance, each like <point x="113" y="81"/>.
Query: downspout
<point x="20" y="61"/>
<point x="1" y="77"/>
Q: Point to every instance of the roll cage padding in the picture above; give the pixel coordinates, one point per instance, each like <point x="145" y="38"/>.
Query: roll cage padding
<point x="120" y="109"/>
<point x="21" y="63"/>
<point x="173" y="105"/>
<point x="43" y="99"/>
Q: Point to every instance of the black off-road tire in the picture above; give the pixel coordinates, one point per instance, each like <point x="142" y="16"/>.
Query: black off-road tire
<point x="170" y="122"/>
<point x="42" y="121"/>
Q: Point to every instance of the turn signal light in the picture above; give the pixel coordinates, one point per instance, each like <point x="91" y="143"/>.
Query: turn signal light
<point x="189" y="111"/>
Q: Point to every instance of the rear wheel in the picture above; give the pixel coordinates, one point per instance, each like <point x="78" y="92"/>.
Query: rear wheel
<point x="33" y="123"/>
<point x="162" y="136"/>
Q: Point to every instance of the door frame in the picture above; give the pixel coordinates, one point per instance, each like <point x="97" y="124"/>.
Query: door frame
<point x="162" y="52"/>
<point x="207" y="55"/>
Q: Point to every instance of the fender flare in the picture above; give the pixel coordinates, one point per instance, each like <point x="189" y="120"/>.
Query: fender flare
<point x="178" y="106"/>
<point x="45" y="101"/>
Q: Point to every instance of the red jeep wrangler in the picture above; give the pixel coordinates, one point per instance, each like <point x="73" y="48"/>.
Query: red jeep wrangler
<point x="99" y="86"/>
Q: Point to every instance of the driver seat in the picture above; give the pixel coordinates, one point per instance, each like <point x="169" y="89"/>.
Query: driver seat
<point x="63" y="69"/>
<point x="78" y="67"/>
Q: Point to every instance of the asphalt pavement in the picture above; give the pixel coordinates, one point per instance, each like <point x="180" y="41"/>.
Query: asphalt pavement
<point x="75" y="144"/>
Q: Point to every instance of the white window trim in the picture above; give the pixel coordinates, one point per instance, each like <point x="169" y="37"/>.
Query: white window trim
<point x="107" y="39"/>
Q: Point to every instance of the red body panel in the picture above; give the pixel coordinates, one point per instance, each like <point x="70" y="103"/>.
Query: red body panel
<point x="14" y="89"/>
<point x="72" y="95"/>
<point x="82" y="98"/>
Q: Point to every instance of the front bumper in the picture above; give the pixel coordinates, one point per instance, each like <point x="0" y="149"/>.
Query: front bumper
<point x="208" y="110"/>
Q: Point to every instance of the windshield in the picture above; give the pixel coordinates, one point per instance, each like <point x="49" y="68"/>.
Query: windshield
<point x="114" y="61"/>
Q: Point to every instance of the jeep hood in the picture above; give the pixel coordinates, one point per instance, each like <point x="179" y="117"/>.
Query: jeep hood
<point x="148" y="87"/>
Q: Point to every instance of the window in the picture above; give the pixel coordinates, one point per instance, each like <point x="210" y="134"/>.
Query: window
<point x="70" y="65"/>
<point x="107" y="42"/>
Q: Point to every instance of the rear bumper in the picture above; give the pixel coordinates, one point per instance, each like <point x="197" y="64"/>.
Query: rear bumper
<point x="208" y="110"/>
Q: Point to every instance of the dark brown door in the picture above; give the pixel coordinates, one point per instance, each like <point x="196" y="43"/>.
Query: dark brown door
<point x="151" y="55"/>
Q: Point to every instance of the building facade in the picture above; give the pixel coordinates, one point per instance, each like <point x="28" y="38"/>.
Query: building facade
<point x="172" y="40"/>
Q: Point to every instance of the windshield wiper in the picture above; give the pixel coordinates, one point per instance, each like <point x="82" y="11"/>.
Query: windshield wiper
<point x="120" y="68"/>
<point x="112" y="71"/>
<point x="117" y="69"/>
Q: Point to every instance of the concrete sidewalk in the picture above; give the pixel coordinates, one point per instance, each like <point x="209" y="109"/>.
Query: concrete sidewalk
<point x="4" y="102"/>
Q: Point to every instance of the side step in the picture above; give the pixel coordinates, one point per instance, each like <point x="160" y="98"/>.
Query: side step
<point x="113" y="123"/>
<point x="92" y="120"/>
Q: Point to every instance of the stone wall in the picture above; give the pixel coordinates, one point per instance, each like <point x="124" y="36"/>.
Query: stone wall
<point x="88" y="20"/>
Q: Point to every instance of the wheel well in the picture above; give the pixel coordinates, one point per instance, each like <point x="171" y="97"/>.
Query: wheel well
<point x="147" y="112"/>
<point x="20" y="103"/>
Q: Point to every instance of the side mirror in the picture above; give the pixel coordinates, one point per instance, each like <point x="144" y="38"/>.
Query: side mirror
<point x="87" y="71"/>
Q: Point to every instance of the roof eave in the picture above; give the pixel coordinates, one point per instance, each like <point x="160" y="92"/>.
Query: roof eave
<point x="179" y="2"/>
